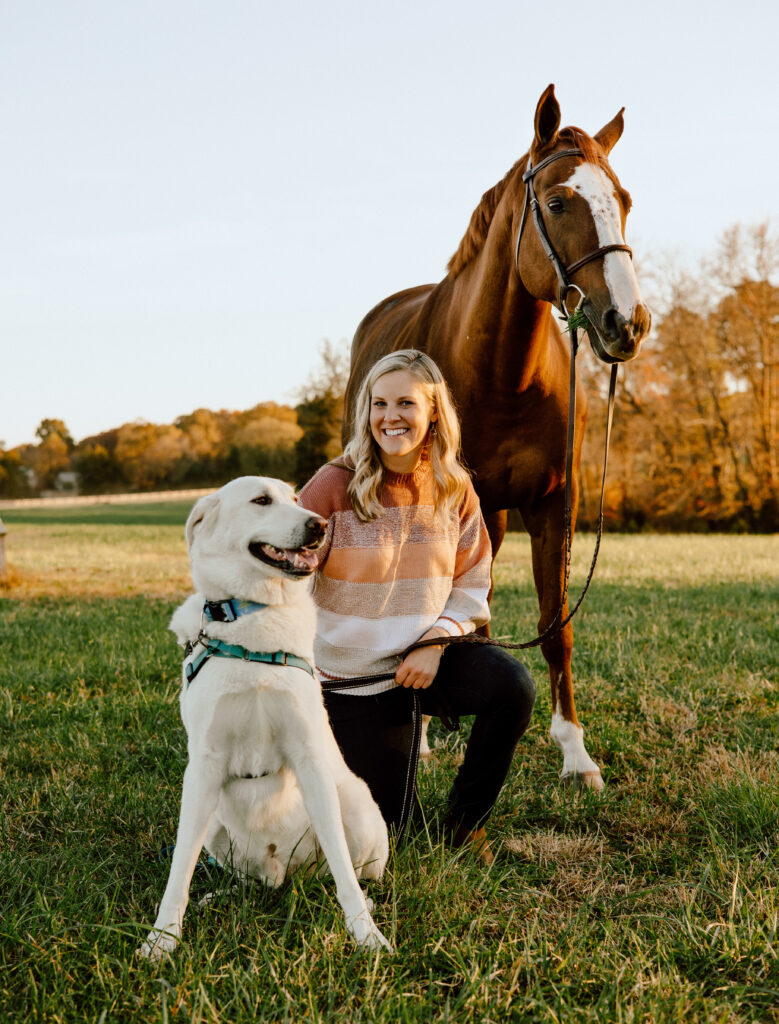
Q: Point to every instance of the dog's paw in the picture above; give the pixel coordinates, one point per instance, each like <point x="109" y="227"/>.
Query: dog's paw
<point x="365" y="933"/>
<point x="158" y="944"/>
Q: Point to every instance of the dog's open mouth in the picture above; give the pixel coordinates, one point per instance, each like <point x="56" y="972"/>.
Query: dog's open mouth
<point x="294" y="562"/>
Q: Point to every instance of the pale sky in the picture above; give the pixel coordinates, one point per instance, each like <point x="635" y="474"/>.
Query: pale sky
<point x="194" y="195"/>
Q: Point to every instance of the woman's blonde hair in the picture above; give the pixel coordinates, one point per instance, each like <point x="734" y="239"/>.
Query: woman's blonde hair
<point x="450" y="479"/>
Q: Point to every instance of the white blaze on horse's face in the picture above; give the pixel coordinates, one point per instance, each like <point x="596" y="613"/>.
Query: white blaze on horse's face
<point x="597" y="189"/>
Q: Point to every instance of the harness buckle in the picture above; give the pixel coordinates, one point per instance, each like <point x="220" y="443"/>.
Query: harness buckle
<point x="579" y="304"/>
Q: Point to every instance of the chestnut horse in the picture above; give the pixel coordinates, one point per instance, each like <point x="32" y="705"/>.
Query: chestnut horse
<point x="489" y="327"/>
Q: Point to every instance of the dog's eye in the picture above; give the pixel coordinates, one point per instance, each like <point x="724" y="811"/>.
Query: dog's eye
<point x="264" y="499"/>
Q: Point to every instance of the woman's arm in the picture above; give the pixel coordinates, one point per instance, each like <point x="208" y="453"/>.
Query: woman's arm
<point x="418" y="669"/>
<point x="466" y="608"/>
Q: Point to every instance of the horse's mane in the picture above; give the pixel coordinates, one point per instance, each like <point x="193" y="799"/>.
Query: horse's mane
<point x="474" y="238"/>
<point x="481" y="218"/>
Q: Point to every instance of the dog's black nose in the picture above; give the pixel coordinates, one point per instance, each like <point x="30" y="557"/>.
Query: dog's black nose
<point x="316" y="527"/>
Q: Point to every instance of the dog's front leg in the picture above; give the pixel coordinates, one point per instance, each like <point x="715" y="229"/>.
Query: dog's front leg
<point x="307" y="756"/>
<point x="199" y="796"/>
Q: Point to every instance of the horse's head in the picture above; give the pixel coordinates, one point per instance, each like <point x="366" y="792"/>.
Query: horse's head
<point x="574" y="208"/>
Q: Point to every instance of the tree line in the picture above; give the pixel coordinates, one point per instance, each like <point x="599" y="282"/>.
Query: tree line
<point x="202" y="449"/>
<point x="695" y="429"/>
<point x="695" y="433"/>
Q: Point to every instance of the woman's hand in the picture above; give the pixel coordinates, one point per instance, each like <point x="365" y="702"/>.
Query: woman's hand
<point x="419" y="668"/>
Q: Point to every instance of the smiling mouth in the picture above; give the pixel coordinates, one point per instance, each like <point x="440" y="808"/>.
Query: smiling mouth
<point x="395" y="431"/>
<point x="292" y="561"/>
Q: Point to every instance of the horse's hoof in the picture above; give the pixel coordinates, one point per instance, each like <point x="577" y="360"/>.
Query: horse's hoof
<point x="584" y="780"/>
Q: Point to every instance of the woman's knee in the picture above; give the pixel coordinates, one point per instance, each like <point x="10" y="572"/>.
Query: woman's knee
<point x="514" y="690"/>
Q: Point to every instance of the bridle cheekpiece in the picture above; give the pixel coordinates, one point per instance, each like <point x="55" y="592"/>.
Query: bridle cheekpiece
<point x="564" y="283"/>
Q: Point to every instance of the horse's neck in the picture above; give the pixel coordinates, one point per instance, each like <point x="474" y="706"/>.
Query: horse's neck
<point x="509" y="326"/>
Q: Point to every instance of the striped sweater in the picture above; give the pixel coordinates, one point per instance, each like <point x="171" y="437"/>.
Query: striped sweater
<point x="381" y="585"/>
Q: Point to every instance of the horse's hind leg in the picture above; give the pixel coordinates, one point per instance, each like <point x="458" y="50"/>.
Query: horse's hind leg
<point x="548" y="546"/>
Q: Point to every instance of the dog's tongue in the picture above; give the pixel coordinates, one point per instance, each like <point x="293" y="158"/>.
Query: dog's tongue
<point x="301" y="558"/>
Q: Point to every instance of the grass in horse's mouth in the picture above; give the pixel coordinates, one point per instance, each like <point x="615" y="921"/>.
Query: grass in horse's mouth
<point x="578" y="321"/>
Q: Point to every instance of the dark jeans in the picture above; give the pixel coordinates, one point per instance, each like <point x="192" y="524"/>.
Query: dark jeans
<point x="374" y="733"/>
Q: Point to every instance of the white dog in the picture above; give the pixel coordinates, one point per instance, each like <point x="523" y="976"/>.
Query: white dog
<point x="265" y="788"/>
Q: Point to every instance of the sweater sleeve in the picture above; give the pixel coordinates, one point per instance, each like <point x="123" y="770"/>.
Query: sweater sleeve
<point x="467" y="608"/>
<point x="320" y="495"/>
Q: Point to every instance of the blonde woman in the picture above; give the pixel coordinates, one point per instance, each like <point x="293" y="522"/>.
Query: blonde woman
<point x="407" y="557"/>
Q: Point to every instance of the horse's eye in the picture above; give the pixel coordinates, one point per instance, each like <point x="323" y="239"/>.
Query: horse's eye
<point x="555" y="205"/>
<point x="264" y="499"/>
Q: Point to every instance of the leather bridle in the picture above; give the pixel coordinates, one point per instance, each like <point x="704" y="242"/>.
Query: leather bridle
<point x="564" y="283"/>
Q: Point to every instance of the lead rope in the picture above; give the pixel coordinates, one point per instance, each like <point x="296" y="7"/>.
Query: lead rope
<point x="555" y="626"/>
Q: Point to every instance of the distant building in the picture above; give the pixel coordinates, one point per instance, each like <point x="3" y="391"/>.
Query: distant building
<point x="66" y="482"/>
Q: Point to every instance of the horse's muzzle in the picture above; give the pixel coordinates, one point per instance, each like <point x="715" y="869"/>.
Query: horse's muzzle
<point x="617" y="339"/>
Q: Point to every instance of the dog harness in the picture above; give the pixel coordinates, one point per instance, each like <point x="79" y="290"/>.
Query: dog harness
<point x="229" y="611"/>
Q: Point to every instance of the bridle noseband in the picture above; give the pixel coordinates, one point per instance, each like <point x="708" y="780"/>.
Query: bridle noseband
<point x="564" y="284"/>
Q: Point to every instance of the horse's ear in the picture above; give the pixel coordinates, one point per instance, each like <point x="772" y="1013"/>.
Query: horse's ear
<point x="609" y="135"/>
<point x="547" y="118"/>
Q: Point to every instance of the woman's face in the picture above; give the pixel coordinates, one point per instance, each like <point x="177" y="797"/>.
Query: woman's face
<point x="401" y="414"/>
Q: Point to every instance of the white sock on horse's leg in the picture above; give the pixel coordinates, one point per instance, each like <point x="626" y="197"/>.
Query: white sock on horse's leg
<point x="569" y="737"/>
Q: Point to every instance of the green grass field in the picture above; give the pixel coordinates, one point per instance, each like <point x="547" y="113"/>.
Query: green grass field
<point x="657" y="900"/>
<point x="160" y="513"/>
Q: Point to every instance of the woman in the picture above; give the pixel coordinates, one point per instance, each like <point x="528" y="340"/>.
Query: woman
<point x="407" y="557"/>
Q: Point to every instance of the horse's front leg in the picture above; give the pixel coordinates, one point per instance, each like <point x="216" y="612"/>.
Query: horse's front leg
<point x="548" y="546"/>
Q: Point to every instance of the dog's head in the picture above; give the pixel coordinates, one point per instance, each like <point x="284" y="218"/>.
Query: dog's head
<point x="250" y="531"/>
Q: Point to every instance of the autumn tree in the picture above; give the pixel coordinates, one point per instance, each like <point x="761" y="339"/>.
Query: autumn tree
<point x="51" y="428"/>
<point x="264" y="441"/>
<point x="52" y="455"/>
<point x="206" y="446"/>
<point x="13" y="478"/>
<point x="695" y="431"/>
<point x="320" y="410"/>
<point x="149" y="454"/>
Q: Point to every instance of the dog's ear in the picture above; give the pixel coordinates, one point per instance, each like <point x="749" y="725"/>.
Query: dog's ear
<point x="203" y="516"/>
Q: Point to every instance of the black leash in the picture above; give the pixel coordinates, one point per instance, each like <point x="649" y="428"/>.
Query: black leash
<point x="410" y="784"/>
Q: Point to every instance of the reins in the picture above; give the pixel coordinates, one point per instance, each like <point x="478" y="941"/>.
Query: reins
<point x="558" y="623"/>
<point x="565" y="285"/>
